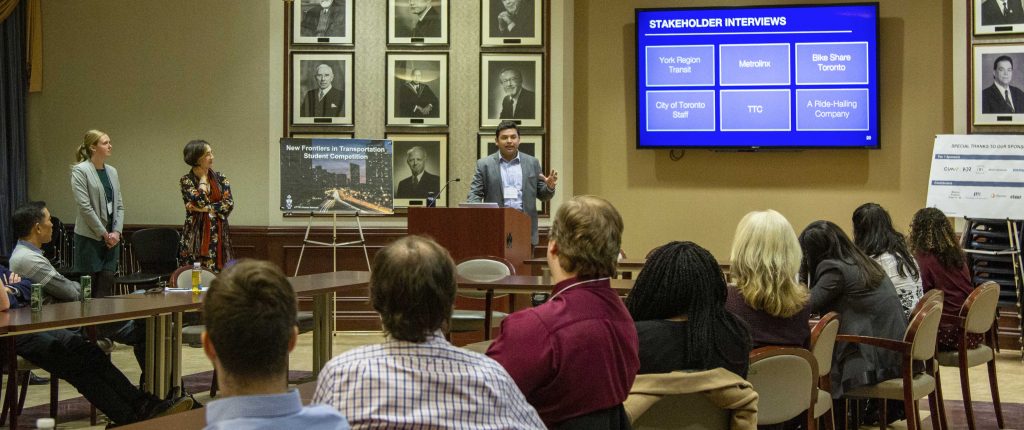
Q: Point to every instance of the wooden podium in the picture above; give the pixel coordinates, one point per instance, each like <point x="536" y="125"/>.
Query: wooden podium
<point x="474" y="232"/>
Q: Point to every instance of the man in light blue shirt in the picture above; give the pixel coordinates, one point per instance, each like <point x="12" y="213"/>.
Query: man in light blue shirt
<point x="250" y="318"/>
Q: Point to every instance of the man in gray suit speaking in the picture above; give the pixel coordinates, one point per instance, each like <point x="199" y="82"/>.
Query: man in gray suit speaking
<point x="511" y="178"/>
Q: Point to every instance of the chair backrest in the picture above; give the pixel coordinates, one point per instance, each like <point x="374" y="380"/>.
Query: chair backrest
<point x="931" y="296"/>
<point x="786" y="382"/>
<point x="182" y="277"/>
<point x="156" y="250"/>
<point x="692" y="411"/>
<point x="483" y="269"/>
<point x="923" y="331"/>
<point x="979" y="310"/>
<point x="823" y="341"/>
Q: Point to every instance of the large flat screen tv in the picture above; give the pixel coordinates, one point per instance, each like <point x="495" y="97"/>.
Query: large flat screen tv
<point x="778" y="77"/>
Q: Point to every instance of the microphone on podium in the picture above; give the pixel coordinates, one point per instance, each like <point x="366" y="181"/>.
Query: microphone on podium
<point x="432" y="199"/>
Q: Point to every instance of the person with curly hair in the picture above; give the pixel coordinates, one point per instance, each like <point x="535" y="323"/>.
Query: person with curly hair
<point x="678" y="304"/>
<point x="874" y="234"/>
<point x="943" y="267"/>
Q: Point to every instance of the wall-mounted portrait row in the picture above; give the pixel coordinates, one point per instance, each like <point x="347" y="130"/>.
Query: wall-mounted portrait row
<point x="418" y="22"/>
<point x="511" y="87"/>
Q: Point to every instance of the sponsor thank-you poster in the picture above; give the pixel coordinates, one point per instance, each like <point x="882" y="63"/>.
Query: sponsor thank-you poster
<point x="978" y="176"/>
<point x="336" y="175"/>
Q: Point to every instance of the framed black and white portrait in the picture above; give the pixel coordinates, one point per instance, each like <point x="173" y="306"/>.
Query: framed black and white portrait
<point x="418" y="22"/>
<point x="417" y="89"/>
<point x="420" y="167"/>
<point x="511" y="23"/>
<point x="322" y="22"/>
<point x="998" y="85"/>
<point x="998" y="16"/>
<point x="511" y="87"/>
<point x="532" y="144"/>
<point x="322" y="89"/>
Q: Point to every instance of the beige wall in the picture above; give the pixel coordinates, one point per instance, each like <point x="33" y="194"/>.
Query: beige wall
<point x="155" y="74"/>
<point x="702" y="196"/>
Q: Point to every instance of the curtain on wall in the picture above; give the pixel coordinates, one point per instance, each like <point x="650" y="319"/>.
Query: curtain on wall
<point x="13" y="90"/>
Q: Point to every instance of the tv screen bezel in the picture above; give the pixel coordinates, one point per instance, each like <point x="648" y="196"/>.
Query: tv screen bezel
<point x="746" y="148"/>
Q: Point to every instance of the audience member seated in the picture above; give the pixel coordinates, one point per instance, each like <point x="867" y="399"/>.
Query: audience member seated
<point x="32" y="226"/>
<point x="874" y="234"/>
<point x="575" y="356"/>
<point x="249" y="313"/>
<point x="767" y="295"/>
<point x="416" y="379"/>
<point x="943" y="267"/>
<point x="69" y="356"/>
<point x="847" y="281"/>
<point x="678" y="303"/>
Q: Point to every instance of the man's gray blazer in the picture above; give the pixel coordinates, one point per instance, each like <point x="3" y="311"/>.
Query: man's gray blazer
<point x="487" y="185"/>
<point x="91" y="200"/>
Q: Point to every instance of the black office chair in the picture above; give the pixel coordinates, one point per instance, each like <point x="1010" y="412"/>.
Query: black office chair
<point x="155" y="252"/>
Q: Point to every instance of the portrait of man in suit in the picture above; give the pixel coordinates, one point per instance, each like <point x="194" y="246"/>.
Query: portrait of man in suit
<point x="424" y="20"/>
<point x="420" y="181"/>
<point x="326" y="100"/>
<point x="1001" y="12"/>
<point x="518" y="102"/>
<point x="415" y="98"/>
<point x="324" y="19"/>
<point x="513" y="18"/>
<point x="1001" y="96"/>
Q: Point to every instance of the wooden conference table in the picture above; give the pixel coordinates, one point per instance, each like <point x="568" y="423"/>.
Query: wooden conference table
<point x="164" y="312"/>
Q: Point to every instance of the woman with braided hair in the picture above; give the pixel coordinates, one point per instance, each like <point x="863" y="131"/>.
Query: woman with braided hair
<point x="678" y="304"/>
<point x="943" y="266"/>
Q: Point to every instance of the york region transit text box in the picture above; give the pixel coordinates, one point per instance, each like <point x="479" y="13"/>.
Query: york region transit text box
<point x="680" y="110"/>
<point x="754" y="64"/>
<point x="832" y="110"/>
<point x="835" y="63"/>
<point x="680" y="65"/>
<point x="755" y="110"/>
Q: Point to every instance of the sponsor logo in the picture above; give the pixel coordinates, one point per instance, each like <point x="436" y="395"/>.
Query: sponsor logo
<point x="1015" y="197"/>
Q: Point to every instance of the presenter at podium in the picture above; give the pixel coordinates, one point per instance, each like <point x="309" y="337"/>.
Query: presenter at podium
<point x="511" y="178"/>
<point x="1001" y="97"/>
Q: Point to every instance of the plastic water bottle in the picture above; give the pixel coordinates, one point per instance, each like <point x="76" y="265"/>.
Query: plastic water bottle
<point x="197" y="277"/>
<point x="46" y="424"/>
<point x="86" y="288"/>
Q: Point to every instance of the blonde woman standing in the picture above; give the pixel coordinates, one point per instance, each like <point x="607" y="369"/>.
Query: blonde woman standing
<point x="100" y="218"/>
<point x="766" y="294"/>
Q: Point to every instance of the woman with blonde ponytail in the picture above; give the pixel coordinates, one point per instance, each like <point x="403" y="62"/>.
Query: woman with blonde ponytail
<point x="766" y="294"/>
<point x="100" y="218"/>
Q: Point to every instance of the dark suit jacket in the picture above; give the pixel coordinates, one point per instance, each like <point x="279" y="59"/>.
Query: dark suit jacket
<point x="992" y="101"/>
<point x="428" y="183"/>
<point x="336" y="19"/>
<point x="429" y="26"/>
<point x="992" y="14"/>
<point x="487" y="185"/>
<point x="524" y="107"/>
<point x="333" y="103"/>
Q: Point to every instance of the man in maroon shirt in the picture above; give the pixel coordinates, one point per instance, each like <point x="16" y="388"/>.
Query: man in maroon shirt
<point x="575" y="357"/>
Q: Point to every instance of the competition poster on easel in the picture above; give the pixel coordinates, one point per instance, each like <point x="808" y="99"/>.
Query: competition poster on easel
<point x="978" y="176"/>
<point x="336" y="175"/>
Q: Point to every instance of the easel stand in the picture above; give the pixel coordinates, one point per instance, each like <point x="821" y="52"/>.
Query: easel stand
<point x="334" y="244"/>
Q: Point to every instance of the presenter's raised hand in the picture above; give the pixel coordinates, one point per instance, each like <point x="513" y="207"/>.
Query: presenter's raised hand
<point x="551" y="179"/>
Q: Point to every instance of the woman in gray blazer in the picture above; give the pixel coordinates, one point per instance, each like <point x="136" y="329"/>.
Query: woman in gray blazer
<point x="100" y="216"/>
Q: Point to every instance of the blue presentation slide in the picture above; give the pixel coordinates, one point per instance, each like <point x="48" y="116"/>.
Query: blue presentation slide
<point x="762" y="77"/>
